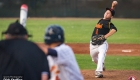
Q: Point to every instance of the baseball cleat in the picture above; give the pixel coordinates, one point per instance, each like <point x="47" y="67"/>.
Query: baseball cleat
<point x="98" y="74"/>
<point x="103" y="68"/>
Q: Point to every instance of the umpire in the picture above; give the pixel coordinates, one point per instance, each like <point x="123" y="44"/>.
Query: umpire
<point x="21" y="59"/>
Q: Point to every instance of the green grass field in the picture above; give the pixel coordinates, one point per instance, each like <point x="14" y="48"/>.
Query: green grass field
<point x="111" y="62"/>
<point x="80" y="30"/>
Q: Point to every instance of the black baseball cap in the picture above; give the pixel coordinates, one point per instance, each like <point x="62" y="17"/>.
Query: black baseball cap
<point x="111" y="10"/>
<point x="16" y="29"/>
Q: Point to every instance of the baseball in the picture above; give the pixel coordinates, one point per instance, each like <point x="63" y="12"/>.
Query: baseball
<point x="115" y="2"/>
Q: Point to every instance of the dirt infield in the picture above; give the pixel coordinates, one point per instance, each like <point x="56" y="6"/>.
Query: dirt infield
<point x="112" y="75"/>
<point x="114" y="49"/>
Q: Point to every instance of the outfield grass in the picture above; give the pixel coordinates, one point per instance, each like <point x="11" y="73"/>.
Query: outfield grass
<point x="111" y="62"/>
<point x="80" y="30"/>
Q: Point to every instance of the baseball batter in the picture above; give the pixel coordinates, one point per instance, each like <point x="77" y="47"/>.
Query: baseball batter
<point x="62" y="54"/>
<point x="98" y="44"/>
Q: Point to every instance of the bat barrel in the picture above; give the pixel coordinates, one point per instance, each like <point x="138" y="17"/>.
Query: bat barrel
<point x="24" y="6"/>
<point x="23" y="14"/>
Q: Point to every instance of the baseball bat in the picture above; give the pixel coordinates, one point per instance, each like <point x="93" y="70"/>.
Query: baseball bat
<point x="23" y="14"/>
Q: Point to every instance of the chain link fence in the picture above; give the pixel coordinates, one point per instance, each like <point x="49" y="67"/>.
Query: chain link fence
<point x="70" y="8"/>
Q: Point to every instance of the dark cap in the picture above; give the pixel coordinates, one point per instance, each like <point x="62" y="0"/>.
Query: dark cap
<point x="111" y="10"/>
<point x="16" y="29"/>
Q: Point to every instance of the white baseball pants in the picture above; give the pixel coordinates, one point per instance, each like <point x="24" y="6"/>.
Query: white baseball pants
<point x="98" y="53"/>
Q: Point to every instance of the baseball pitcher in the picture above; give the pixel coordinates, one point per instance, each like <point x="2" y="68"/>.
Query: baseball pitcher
<point x="98" y="44"/>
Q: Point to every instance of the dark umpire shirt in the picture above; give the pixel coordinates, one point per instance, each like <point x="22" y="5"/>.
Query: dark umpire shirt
<point x="19" y="57"/>
<point x="103" y="27"/>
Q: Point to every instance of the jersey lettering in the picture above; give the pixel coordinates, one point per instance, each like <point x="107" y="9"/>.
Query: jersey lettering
<point x="96" y="31"/>
<point x="100" y="26"/>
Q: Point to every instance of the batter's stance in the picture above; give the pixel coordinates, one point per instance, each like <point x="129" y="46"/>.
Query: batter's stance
<point x="62" y="54"/>
<point x="98" y="44"/>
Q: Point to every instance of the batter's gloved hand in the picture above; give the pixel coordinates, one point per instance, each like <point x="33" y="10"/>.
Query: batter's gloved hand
<point x="98" y="39"/>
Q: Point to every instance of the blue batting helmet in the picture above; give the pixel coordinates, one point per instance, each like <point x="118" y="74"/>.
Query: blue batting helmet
<point x="54" y="33"/>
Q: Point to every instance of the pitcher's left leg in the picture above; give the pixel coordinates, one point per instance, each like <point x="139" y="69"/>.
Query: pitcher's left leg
<point x="101" y="57"/>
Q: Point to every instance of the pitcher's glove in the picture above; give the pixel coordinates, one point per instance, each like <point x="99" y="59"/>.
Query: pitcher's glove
<point x="98" y="39"/>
